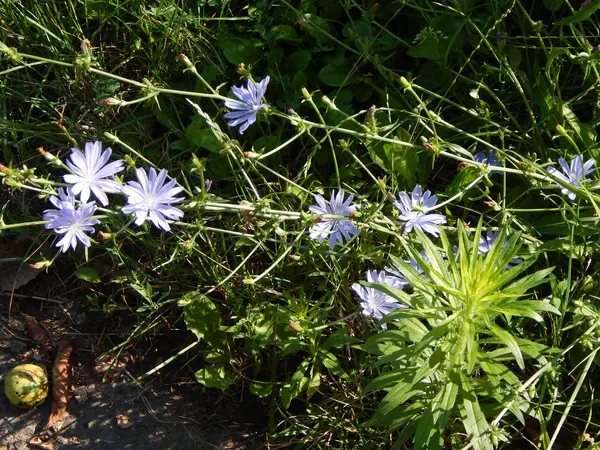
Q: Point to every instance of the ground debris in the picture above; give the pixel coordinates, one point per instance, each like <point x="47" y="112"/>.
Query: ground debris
<point x="60" y="383"/>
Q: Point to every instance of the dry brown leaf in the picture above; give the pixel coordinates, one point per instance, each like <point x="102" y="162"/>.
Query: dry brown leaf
<point x="123" y="421"/>
<point x="14" y="274"/>
<point x="35" y="332"/>
<point x="41" y="441"/>
<point x="60" y="383"/>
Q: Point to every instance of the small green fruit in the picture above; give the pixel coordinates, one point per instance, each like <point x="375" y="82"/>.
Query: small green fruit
<point x="26" y="386"/>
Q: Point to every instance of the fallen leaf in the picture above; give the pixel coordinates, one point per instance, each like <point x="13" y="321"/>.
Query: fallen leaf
<point x="123" y="421"/>
<point x="60" y="383"/>
<point x="15" y="274"/>
<point x="36" y="333"/>
<point x="42" y="441"/>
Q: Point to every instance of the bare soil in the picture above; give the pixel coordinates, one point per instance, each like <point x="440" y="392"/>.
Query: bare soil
<point x="107" y="408"/>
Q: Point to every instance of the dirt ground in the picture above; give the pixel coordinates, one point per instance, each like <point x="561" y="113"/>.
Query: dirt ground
<point x="107" y="409"/>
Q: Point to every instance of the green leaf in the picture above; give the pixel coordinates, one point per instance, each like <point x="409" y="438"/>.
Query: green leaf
<point x="283" y="32"/>
<point x="554" y="5"/>
<point x="466" y="176"/>
<point x="473" y="418"/>
<point x="296" y="385"/>
<point x="214" y="377"/>
<point x="332" y="364"/>
<point x="336" y="76"/>
<point x="298" y="61"/>
<point x="511" y="343"/>
<point x="88" y="274"/>
<point x="338" y="339"/>
<point x="241" y="50"/>
<point x="261" y="389"/>
<point x="437" y="39"/>
<point x="581" y="15"/>
<point x="203" y="137"/>
<point x="182" y="144"/>
<point x="430" y="429"/>
<point x="400" y="161"/>
<point x="266" y="143"/>
<point x="530" y="281"/>
<point x="200" y="314"/>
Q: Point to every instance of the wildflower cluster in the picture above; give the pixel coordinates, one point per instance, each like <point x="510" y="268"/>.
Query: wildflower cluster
<point x="92" y="174"/>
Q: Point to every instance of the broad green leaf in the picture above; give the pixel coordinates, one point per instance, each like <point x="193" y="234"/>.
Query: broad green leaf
<point x="461" y="180"/>
<point x="313" y="384"/>
<point x="88" y="274"/>
<point x="214" y="377"/>
<point x="241" y="50"/>
<point x="298" y="61"/>
<point x="332" y="364"/>
<point x="398" y="160"/>
<point x="438" y="38"/>
<point x="283" y="32"/>
<point x="261" y="389"/>
<point x="335" y="75"/>
<point x="199" y="135"/>
<point x="200" y="314"/>
<point x="296" y="385"/>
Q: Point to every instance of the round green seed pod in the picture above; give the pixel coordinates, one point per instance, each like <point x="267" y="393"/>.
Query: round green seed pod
<point x="26" y="386"/>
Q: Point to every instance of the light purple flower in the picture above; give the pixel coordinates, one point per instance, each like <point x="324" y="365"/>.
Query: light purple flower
<point x="375" y="303"/>
<point x="65" y="199"/>
<point x="151" y="198"/>
<point x="486" y="241"/>
<point x="73" y="222"/>
<point x="573" y="174"/>
<point x="334" y="229"/>
<point x="414" y="210"/>
<point x="489" y="159"/>
<point x="91" y="172"/>
<point x="243" y="111"/>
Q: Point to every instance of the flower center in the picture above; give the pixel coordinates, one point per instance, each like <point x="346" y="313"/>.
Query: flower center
<point x="150" y="202"/>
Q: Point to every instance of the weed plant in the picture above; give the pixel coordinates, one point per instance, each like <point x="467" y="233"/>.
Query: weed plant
<point x="380" y="216"/>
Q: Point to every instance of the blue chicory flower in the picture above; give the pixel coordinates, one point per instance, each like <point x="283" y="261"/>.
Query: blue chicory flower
<point x="573" y="174"/>
<point x="486" y="241"/>
<point x="375" y="303"/>
<point x="243" y="111"/>
<point x="489" y="159"/>
<point x="334" y="229"/>
<point x="73" y="222"/>
<point x="415" y="211"/>
<point x="92" y="173"/>
<point x="151" y="198"/>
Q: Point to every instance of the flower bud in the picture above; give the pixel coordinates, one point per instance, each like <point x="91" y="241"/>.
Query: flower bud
<point x="404" y="83"/>
<point x="185" y="60"/>
<point x="110" y="101"/>
<point x="104" y="236"/>
<point x="329" y="103"/>
<point x="47" y="155"/>
<point x="305" y="93"/>
<point x="241" y="69"/>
